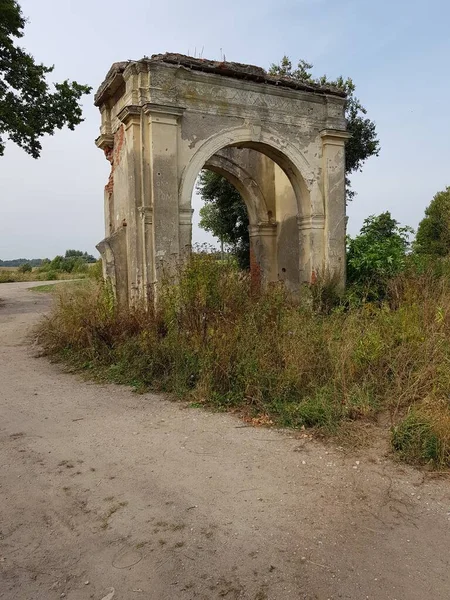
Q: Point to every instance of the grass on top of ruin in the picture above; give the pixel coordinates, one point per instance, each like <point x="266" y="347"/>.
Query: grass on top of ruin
<point x="314" y="364"/>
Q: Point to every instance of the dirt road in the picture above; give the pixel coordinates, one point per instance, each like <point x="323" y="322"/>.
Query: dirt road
<point x="108" y="494"/>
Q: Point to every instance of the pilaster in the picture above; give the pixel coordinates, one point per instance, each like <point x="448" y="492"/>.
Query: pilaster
<point x="311" y="235"/>
<point x="130" y="117"/>
<point x="263" y="251"/>
<point x="163" y="155"/>
<point x="333" y="167"/>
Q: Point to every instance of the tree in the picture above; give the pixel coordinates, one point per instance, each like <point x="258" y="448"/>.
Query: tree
<point x="362" y="145"/>
<point x="433" y="233"/>
<point x="69" y="253"/>
<point x="28" y="107"/>
<point x="25" y="268"/>
<point x="363" y="142"/>
<point x="80" y="254"/>
<point x="376" y="255"/>
<point x="224" y="214"/>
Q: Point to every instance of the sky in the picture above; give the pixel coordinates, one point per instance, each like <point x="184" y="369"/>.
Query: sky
<point x="397" y="52"/>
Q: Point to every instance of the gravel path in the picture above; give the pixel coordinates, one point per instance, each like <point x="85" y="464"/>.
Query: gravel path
<point x="106" y="494"/>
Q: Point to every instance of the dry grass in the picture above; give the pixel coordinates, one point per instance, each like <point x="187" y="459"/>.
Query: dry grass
<point x="214" y="340"/>
<point x="44" y="273"/>
<point x="13" y="275"/>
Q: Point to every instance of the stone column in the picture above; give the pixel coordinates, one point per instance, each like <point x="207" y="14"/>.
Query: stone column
<point x="130" y="116"/>
<point x="311" y="241"/>
<point x="163" y="155"/>
<point x="185" y="220"/>
<point x="333" y="165"/>
<point x="146" y="213"/>
<point x="263" y="252"/>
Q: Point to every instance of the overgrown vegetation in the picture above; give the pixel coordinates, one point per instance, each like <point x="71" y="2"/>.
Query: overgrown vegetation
<point x="375" y="256"/>
<point x="216" y="341"/>
<point x="74" y="265"/>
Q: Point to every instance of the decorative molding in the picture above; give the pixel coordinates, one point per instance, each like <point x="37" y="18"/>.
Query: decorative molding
<point x="311" y="222"/>
<point x="163" y="109"/>
<point x="105" y="140"/>
<point x="185" y="216"/>
<point x="336" y="137"/>
<point x="263" y="228"/>
<point x="129" y="112"/>
<point x="146" y="213"/>
<point x="215" y="80"/>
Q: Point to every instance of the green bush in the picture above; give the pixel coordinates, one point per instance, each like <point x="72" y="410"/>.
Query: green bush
<point x="376" y="255"/>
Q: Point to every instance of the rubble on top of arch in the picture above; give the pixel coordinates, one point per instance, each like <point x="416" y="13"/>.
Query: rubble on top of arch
<point x="224" y="68"/>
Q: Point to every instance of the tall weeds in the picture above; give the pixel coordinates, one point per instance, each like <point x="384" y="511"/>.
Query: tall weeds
<point x="214" y="339"/>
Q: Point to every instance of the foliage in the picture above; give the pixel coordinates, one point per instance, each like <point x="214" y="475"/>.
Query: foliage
<point x="28" y="108"/>
<point x="16" y="262"/>
<point x="363" y="142"/>
<point x="433" y="234"/>
<point x="213" y="340"/>
<point x="376" y="255"/>
<point x="327" y="292"/>
<point x="75" y="264"/>
<point x="224" y="214"/>
<point x="72" y="264"/>
<point x="96" y="270"/>
<point x="423" y="436"/>
<point x="79" y="254"/>
<point x="284" y="69"/>
<point x="25" y="268"/>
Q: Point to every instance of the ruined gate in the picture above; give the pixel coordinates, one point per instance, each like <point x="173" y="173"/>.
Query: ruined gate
<point x="280" y="142"/>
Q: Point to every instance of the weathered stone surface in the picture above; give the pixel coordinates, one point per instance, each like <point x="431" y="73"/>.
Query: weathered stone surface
<point x="226" y="69"/>
<point x="279" y="141"/>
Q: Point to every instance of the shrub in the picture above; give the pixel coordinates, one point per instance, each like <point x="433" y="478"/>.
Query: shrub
<point x="376" y="255"/>
<point x="7" y="276"/>
<point x="423" y="436"/>
<point x="25" y="268"/>
<point x="96" y="270"/>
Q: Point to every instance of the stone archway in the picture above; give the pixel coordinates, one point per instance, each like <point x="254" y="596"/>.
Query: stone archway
<point x="165" y="118"/>
<point x="248" y="177"/>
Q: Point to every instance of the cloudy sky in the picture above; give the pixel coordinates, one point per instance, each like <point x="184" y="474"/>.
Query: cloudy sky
<point x="396" y="51"/>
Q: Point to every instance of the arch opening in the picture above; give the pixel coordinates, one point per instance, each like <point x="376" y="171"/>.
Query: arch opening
<point x="280" y="151"/>
<point x="271" y="204"/>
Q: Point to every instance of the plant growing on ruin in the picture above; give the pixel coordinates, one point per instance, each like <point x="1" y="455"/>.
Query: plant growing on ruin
<point x="29" y="108"/>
